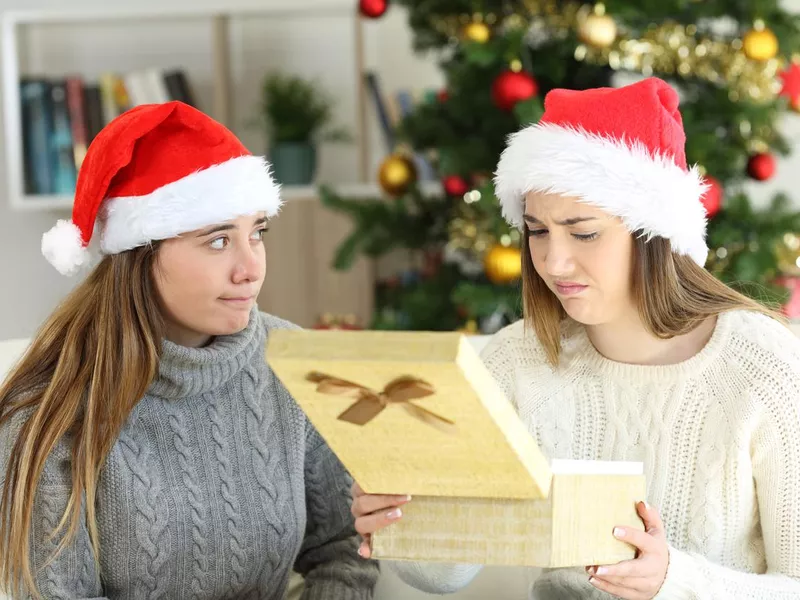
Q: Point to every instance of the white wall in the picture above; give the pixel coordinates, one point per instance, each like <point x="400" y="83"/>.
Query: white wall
<point x="319" y="46"/>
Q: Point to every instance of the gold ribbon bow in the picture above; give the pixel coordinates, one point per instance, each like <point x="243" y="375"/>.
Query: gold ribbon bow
<point x="369" y="403"/>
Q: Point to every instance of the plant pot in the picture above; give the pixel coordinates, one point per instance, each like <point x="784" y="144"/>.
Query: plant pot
<point x="293" y="163"/>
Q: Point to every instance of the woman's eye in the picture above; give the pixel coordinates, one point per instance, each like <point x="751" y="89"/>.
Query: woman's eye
<point x="584" y="237"/>
<point x="259" y="234"/>
<point x="219" y="243"/>
<point x="537" y="232"/>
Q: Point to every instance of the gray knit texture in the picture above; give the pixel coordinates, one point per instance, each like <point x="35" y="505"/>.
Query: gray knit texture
<point x="217" y="487"/>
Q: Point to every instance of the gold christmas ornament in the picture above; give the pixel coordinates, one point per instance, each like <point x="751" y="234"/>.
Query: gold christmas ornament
<point x="477" y="32"/>
<point x="760" y="43"/>
<point x="473" y="231"/>
<point x="396" y="174"/>
<point x="597" y="29"/>
<point x="503" y="264"/>
<point x="788" y="253"/>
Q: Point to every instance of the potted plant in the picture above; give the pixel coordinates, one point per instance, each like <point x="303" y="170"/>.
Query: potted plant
<point x="297" y="114"/>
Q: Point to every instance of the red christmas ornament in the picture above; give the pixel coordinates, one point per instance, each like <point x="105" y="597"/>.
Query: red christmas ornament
<point x="511" y="87"/>
<point x="325" y="321"/>
<point x="712" y="198"/>
<point x="790" y="77"/>
<point x="792" y="307"/>
<point x="372" y="8"/>
<point x="761" y="166"/>
<point x="442" y="96"/>
<point x="454" y="185"/>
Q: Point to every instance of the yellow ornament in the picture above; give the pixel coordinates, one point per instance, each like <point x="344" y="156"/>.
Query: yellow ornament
<point x="469" y="328"/>
<point x="597" y="29"/>
<point x="396" y="174"/>
<point x="760" y="43"/>
<point x="787" y="252"/>
<point x="503" y="264"/>
<point x="477" y="32"/>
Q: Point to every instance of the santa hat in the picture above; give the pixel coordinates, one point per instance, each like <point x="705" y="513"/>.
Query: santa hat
<point x="620" y="149"/>
<point x="154" y="172"/>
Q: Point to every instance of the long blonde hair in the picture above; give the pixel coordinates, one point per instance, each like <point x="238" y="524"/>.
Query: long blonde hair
<point x="85" y="370"/>
<point x="672" y="293"/>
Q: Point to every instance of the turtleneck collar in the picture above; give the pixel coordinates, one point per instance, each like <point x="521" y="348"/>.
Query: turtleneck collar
<point x="184" y="372"/>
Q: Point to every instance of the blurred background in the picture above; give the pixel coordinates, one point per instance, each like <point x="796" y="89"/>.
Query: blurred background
<point x="384" y="120"/>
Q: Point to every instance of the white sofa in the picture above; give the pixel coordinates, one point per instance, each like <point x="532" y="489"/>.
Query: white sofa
<point x="494" y="583"/>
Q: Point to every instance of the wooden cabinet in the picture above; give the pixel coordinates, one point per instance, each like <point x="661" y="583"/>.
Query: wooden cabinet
<point x="301" y="284"/>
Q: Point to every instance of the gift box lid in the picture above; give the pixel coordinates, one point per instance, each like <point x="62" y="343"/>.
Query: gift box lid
<point x="410" y="412"/>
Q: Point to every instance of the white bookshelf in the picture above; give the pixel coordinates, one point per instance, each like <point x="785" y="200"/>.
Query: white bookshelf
<point x="219" y="13"/>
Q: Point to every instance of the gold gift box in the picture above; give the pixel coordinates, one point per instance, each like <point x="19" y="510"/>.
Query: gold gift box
<point x="418" y="413"/>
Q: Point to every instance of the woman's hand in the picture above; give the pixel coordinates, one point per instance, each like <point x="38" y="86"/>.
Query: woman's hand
<point x="374" y="512"/>
<point x="642" y="577"/>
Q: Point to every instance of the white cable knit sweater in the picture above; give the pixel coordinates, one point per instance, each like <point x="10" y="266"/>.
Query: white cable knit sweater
<point x="719" y="435"/>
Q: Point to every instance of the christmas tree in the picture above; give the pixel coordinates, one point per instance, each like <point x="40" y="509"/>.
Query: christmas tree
<point x="735" y="75"/>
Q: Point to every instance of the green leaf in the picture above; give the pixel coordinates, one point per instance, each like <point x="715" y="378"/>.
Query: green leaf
<point x="529" y="111"/>
<point x="480" y="54"/>
<point x="347" y="252"/>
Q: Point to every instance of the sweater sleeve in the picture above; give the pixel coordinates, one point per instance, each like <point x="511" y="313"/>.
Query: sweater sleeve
<point x="435" y="578"/>
<point x="446" y="578"/>
<point x="775" y="456"/>
<point x="328" y="558"/>
<point x="72" y="574"/>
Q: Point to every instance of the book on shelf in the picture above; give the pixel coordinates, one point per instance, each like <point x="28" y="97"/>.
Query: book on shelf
<point x="390" y="110"/>
<point x="62" y="115"/>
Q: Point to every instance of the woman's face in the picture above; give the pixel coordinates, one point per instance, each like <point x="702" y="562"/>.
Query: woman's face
<point x="208" y="280"/>
<point x="583" y="254"/>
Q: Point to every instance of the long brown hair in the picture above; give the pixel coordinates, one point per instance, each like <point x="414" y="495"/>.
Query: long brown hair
<point x="672" y="293"/>
<point x="85" y="370"/>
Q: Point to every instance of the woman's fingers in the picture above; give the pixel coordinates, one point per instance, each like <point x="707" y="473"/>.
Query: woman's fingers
<point x="375" y="521"/>
<point x="365" y="549"/>
<point x="370" y="503"/>
<point x="355" y="490"/>
<point x="373" y="512"/>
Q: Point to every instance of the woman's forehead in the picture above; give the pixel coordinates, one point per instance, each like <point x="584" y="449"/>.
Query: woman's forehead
<point x="542" y="205"/>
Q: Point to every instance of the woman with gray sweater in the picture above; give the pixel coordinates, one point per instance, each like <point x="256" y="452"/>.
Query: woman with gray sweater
<point x="148" y="450"/>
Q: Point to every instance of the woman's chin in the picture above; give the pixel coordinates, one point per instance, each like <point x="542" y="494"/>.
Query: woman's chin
<point x="581" y="312"/>
<point x="229" y="324"/>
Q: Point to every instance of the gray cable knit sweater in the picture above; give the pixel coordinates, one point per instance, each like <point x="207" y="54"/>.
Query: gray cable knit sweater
<point x="216" y="488"/>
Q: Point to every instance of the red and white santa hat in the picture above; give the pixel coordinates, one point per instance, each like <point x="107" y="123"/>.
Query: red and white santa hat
<point x="620" y="149"/>
<point x="154" y="172"/>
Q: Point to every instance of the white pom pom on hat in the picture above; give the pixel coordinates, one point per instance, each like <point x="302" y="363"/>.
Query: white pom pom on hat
<point x="63" y="247"/>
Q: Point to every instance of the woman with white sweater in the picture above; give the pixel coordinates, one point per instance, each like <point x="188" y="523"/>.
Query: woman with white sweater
<point x="630" y="350"/>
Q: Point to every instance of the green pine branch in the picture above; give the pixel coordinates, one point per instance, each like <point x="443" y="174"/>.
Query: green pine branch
<point x="410" y="221"/>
